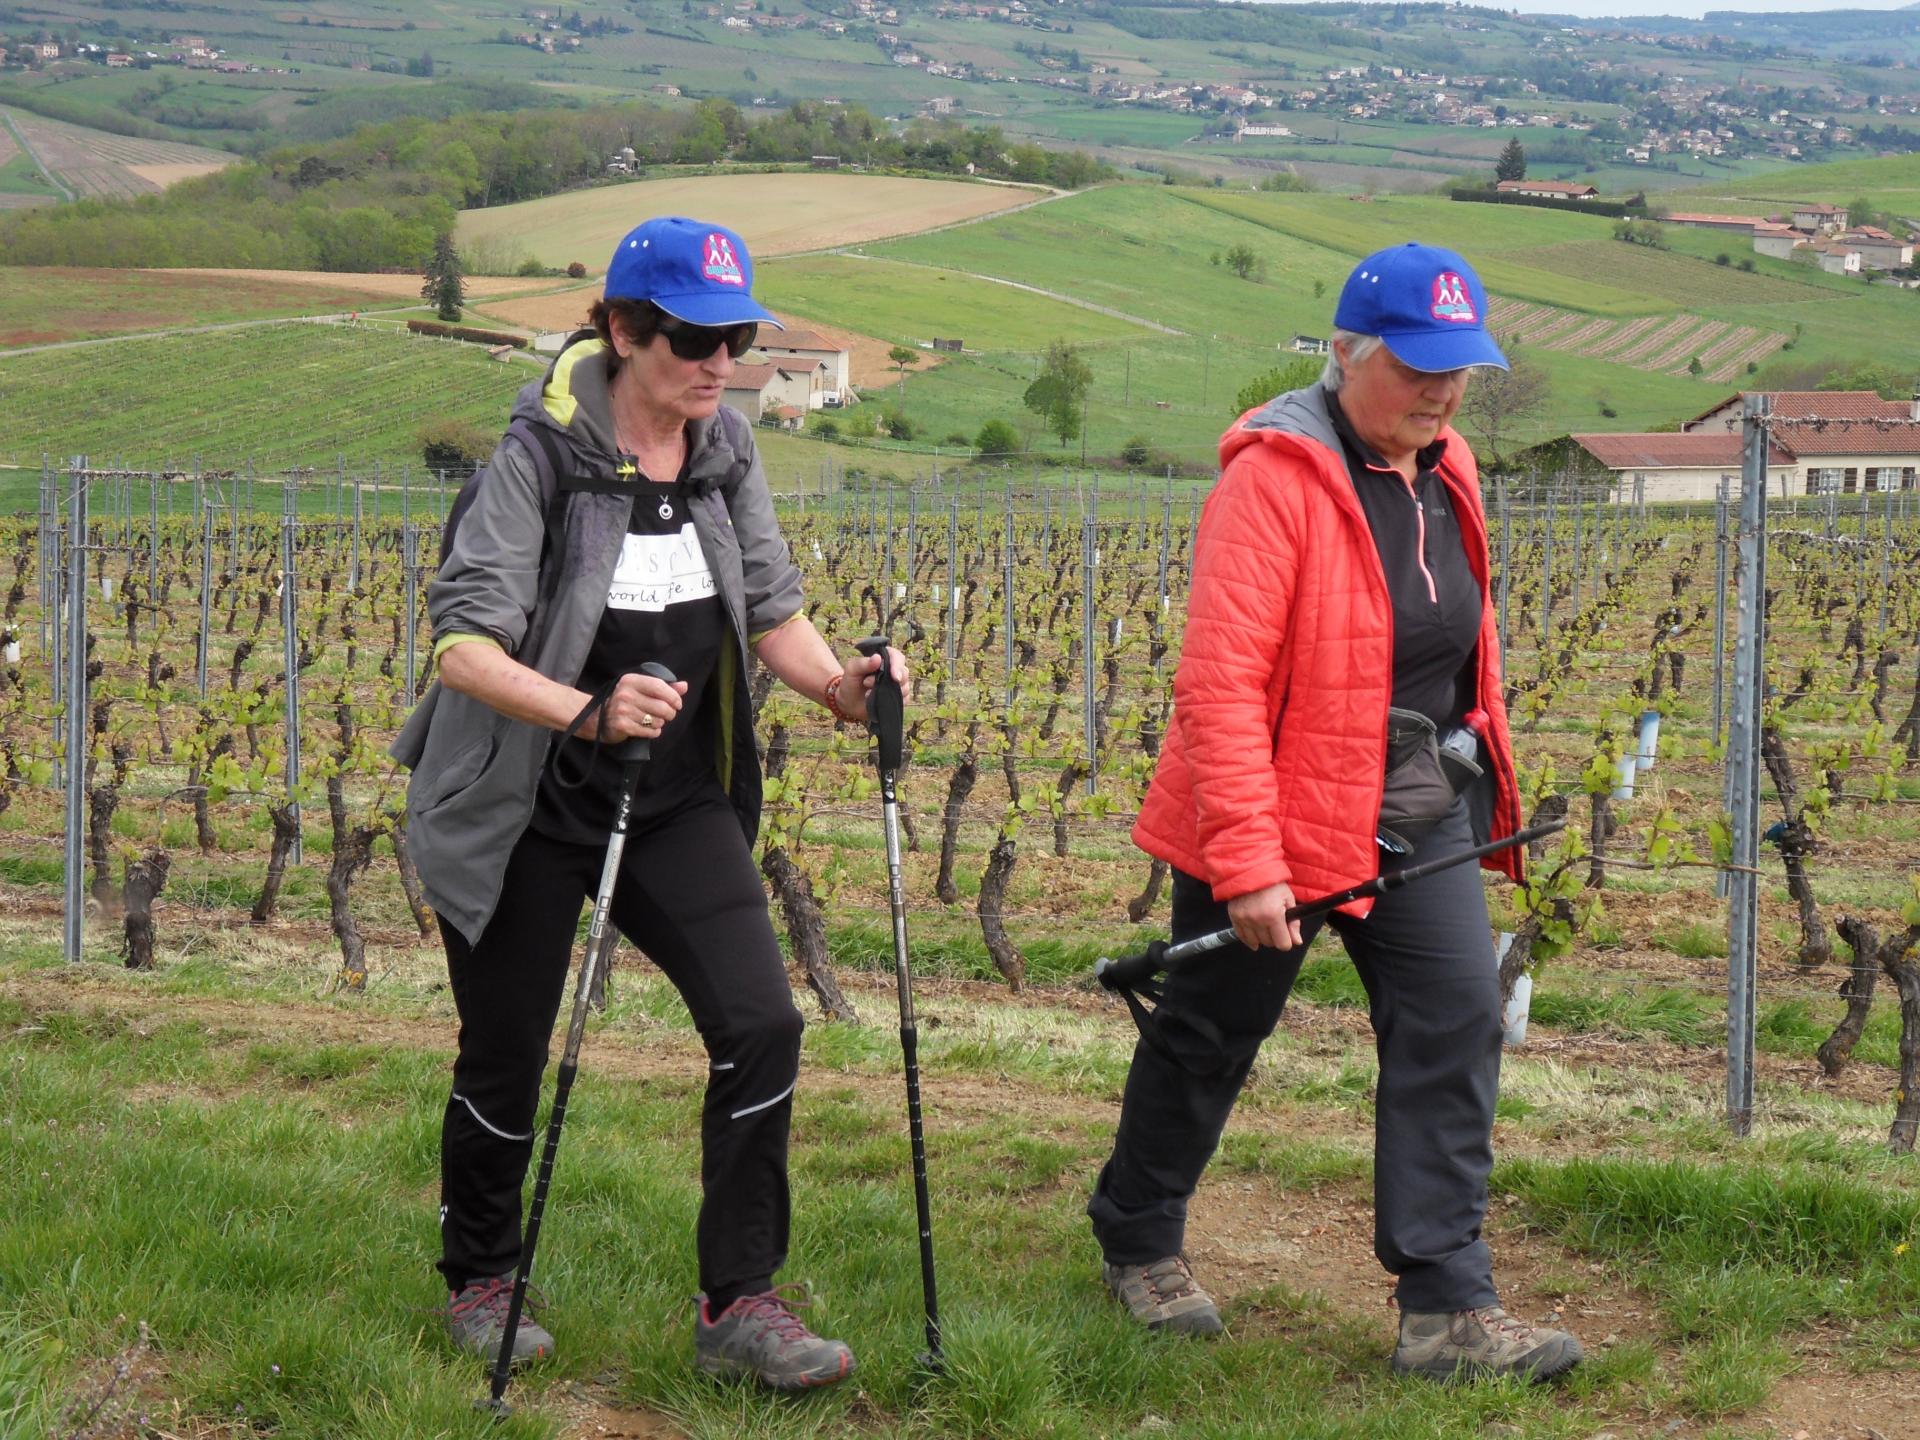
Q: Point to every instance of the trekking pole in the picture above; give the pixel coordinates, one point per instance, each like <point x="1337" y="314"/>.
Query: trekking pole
<point x="1133" y="972"/>
<point x="885" y="716"/>
<point x="633" y="754"/>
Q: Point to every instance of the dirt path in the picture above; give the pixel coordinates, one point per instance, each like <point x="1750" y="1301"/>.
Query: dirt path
<point x="1016" y="285"/>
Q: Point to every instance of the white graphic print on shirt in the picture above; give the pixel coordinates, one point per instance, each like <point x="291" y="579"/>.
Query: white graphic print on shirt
<point x="656" y="571"/>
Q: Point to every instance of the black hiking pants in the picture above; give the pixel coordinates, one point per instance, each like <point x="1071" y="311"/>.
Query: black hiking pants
<point x="689" y="897"/>
<point x="1425" y="955"/>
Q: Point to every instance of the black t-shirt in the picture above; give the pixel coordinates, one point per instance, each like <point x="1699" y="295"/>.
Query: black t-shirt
<point x="1436" y="598"/>
<point x="662" y="605"/>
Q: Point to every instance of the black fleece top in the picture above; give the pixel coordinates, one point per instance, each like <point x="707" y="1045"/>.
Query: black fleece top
<point x="1436" y="599"/>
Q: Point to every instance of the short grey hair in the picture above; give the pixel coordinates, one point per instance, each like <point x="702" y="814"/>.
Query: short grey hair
<point x="1359" y="347"/>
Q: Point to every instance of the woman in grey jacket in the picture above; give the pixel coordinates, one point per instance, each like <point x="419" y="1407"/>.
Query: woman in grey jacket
<point x="625" y="518"/>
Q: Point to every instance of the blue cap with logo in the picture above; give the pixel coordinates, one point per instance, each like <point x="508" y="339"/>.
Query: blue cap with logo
<point x="1426" y="303"/>
<point x="695" y="271"/>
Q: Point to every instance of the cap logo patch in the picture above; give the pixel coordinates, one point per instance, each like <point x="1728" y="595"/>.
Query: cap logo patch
<point x="719" y="264"/>
<point x="1451" y="300"/>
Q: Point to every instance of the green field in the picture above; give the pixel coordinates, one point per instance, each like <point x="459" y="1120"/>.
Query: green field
<point x="1892" y="184"/>
<point x="913" y="303"/>
<point x="1144" y="251"/>
<point x="46" y="304"/>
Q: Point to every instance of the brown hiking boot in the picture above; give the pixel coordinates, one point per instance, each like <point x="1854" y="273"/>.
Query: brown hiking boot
<point x="1487" y="1341"/>
<point x="1164" y="1296"/>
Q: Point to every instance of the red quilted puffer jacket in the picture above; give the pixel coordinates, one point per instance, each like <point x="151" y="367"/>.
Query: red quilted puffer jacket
<point x="1273" y="767"/>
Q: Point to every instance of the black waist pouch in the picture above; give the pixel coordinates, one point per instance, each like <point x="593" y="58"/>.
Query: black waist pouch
<point x="1425" y="771"/>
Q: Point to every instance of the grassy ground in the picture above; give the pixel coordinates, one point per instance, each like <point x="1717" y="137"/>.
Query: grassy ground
<point x="223" y="1152"/>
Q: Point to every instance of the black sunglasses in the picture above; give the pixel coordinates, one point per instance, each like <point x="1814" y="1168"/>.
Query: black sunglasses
<point x="698" y="342"/>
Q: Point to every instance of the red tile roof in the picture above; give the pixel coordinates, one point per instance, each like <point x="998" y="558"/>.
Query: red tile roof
<point x="1822" y="404"/>
<point x="1694" y="217"/>
<point x="752" y="377"/>
<point x="799" y="340"/>
<point x="1850" y="437"/>
<point x="1549" y="187"/>
<point x="1662" y="451"/>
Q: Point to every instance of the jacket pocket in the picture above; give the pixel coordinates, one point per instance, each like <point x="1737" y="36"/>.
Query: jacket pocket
<point x="462" y="768"/>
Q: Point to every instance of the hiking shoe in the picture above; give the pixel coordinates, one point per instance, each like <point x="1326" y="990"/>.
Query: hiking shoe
<point x="760" y="1337"/>
<point x="1487" y="1341"/>
<point x="1164" y="1296"/>
<point x="477" y="1318"/>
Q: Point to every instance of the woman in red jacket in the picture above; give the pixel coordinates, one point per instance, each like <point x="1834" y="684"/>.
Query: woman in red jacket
<point x="1339" y="643"/>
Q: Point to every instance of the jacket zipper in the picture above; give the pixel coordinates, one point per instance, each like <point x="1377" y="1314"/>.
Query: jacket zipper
<point x="1420" y="553"/>
<point x="1420" y="538"/>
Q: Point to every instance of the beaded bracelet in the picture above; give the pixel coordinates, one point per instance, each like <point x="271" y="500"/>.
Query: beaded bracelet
<point x="831" y="699"/>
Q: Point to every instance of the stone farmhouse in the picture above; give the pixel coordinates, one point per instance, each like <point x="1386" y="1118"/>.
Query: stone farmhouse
<point x="796" y="348"/>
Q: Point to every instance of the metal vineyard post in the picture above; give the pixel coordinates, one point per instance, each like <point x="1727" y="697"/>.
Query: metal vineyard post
<point x="1743" y="766"/>
<point x="1089" y="561"/>
<point x="76" y="705"/>
<point x="290" y="653"/>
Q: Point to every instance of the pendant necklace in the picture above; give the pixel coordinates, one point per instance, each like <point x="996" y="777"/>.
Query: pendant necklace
<point x="666" y="509"/>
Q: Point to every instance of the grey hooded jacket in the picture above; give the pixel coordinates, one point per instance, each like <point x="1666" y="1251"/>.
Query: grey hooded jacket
<point x="475" y="771"/>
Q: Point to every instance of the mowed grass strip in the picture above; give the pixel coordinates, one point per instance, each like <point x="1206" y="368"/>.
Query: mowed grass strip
<point x="777" y="214"/>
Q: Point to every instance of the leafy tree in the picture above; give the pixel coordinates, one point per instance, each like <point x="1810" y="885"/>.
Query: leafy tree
<point x="1512" y="164"/>
<point x="446" y="284"/>
<point x="1649" y="233"/>
<point x="1500" y="402"/>
<point x="456" y="446"/>
<point x="899" y="426"/>
<point x="997" y="437"/>
<point x="1294" y="375"/>
<point x="825" y="427"/>
<point x="1891" y="382"/>
<point x="1244" y="263"/>
<point x="1137" y="453"/>
<point x="902" y="356"/>
<point x="1058" y="392"/>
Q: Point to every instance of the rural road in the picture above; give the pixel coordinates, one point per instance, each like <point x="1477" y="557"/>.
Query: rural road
<point x="1016" y="285"/>
<point x="33" y="155"/>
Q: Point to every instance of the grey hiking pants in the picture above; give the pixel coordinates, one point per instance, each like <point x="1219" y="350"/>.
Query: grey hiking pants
<point x="1425" y="955"/>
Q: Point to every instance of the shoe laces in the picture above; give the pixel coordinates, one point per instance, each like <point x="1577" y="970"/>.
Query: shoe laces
<point x="492" y="1296"/>
<point x="1170" y="1279"/>
<point x="775" y="1308"/>
<point x="1497" y="1322"/>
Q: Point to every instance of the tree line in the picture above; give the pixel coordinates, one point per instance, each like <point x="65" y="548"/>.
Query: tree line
<point x="376" y="199"/>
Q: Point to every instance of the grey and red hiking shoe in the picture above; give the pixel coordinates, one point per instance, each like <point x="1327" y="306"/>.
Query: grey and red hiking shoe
<point x="477" y="1318"/>
<point x="759" y="1337"/>
<point x="1463" y="1344"/>
<point x="1164" y="1296"/>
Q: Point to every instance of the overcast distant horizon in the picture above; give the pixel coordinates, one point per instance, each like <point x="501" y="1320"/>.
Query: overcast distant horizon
<point x="1685" y="9"/>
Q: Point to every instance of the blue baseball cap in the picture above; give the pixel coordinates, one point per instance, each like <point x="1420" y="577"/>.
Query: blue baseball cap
<point x="1426" y="303"/>
<point x="695" y="271"/>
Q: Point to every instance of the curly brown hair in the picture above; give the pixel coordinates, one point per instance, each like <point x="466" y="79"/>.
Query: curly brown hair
<point x="639" y="318"/>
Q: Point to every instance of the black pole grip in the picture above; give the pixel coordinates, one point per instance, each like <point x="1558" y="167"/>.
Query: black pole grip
<point x="886" y="707"/>
<point x="637" y="749"/>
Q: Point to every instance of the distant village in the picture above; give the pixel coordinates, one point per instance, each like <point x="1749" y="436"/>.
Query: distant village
<point x="189" y="51"/>
<point x="1679" y="117"/>
<point x="1821" y="234"/>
